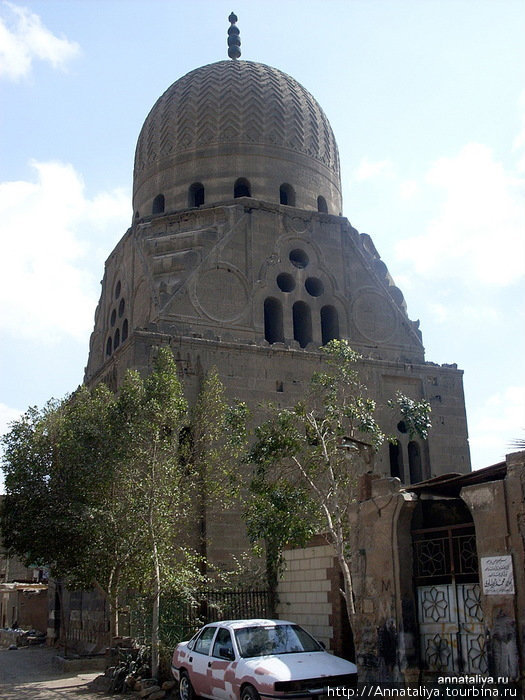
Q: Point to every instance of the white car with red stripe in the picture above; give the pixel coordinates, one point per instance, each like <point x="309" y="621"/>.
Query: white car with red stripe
<point x="254" y="659"/>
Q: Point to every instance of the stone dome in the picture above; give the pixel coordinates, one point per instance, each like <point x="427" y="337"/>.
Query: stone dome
<point x="236" y="122"/>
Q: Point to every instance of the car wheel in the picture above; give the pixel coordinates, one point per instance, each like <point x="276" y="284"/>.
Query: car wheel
<point x="249" y="693"/>
<point x="186" y="691"/>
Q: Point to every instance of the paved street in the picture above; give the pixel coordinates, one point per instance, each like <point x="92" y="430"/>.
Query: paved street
<point x="28" y="674"/>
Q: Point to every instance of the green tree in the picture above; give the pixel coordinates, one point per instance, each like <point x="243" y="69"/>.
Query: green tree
<point x="102" y="487"/>
<point x="215" y="446"/>
<point x="58" y="476"/>
<point x="56" y="465"/>
<point x="278" y="514"/>
<point x="153" y="486"/>
<point x="326" y="441"/>
<point x="171" y="463"/>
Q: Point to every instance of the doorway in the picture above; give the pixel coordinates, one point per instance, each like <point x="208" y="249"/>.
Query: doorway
<point x="450" y="616"/>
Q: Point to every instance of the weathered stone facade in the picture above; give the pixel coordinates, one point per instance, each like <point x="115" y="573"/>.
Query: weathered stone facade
<point x="238" y="256"/>
<point x="423" y="606"/>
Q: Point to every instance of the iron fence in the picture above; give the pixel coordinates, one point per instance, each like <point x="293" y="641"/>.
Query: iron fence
<point x="181" y="616"/>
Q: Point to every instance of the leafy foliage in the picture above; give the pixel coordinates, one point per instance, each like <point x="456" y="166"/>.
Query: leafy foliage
<point x="57" y="468"/>
<point x="415" y="415"/>
<point x="312" y="455"/>
<point x="102" y="487"/>
<point x="278" y="514"/>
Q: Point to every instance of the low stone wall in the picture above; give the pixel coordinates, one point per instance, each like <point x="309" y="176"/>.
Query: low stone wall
<point x="9" y="637"/>
<point x="80" y="664"/>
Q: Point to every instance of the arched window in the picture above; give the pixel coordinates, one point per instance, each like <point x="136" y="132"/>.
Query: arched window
<point x="414" y="462"/>
<point x="273" y="321"/>
<point x="287" y="195"/>
<point x="329" y="324"/>
<point x="196" y="195"/>
<point x="125" y="330"/>
<point x="322" y="205"/>
<point x="109" y="347"/>
<point x="158" y="204"/>
<point x="116" y="339"/>
<point x="302" y="323"/>
<point x="396" y="460"/>
<point x="242" y="188"/>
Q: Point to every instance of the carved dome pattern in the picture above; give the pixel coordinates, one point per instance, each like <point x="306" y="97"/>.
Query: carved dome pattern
<point x="235" y="101"/>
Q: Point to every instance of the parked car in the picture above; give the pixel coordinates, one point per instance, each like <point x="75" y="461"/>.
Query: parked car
<point x="246" y="659"/>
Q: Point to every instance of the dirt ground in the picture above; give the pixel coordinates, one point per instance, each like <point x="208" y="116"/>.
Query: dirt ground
<point x="27" y="673"/>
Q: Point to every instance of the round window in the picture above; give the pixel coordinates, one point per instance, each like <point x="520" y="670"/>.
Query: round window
<point x="298" y="258"/>
<point x="314" y="286"/>
<point x="285" y="282"/>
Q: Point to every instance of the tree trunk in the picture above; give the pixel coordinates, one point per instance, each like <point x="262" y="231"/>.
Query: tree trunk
<point x="113" y="585"/>
<point x="349" y="588"/>
<point x="64" y="619"/>
<point x="272" y="576"/>
<point x="155" y="614"/>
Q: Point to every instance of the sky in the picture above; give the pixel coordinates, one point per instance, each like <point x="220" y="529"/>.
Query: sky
<point x="427" y="102"/>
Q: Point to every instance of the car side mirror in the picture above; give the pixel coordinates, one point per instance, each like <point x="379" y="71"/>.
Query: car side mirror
<point x="226" y="653"/>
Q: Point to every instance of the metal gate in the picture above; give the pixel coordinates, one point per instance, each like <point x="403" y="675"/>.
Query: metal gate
<point x="451" y="629"/>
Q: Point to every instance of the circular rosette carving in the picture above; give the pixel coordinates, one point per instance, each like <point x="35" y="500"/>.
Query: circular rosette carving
<point x="222" y="293"/>
<point x="374" y="316"/>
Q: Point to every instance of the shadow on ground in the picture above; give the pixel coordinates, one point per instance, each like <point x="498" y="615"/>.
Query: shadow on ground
<point x="29" y="673"/>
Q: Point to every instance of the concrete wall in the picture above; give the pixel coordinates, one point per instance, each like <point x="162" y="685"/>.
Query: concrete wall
<point x="13" y="569"/>
<point x="498" y="509"/>
<point x="23" y="605"/>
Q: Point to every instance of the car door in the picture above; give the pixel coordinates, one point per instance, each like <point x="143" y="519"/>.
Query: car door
<point x="220" y="671"/>
<point x="199" y="660"/>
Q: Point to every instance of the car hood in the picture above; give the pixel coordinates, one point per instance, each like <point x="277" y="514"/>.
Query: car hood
<point x="296" y="667"/>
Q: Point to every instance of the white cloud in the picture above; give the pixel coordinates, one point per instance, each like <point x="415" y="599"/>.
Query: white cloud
<point x="23" y="38"/>
<point x="7" y="415"/>
<point x="478" y="234"/>
<point x="409" y="189"/>
<point x="440" y="312"/>
<point x="519" y="141"/>
<point x="367" y="169"/>
<point x="494" y="424"/>
<point x="49" y="271"/>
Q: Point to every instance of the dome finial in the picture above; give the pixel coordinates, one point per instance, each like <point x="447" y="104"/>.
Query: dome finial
<point x="234" y="40"/>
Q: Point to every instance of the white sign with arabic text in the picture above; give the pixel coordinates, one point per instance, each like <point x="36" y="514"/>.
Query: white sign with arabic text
<point x="497" y="575"/>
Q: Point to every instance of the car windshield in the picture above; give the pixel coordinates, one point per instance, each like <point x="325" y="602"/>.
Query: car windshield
<point x="278" y="639"/>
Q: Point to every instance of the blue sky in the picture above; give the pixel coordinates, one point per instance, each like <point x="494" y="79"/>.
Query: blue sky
<point x="427" y="102"/>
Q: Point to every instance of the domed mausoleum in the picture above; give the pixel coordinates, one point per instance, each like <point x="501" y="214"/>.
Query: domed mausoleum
<point x="238" y="257"/>
<point x="236" y="117"/>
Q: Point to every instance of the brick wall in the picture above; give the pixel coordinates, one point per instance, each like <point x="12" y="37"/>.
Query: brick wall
<point x="305" y="590"/>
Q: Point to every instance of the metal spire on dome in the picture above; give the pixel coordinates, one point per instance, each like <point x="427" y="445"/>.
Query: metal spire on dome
<point x="234" y="40"/>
